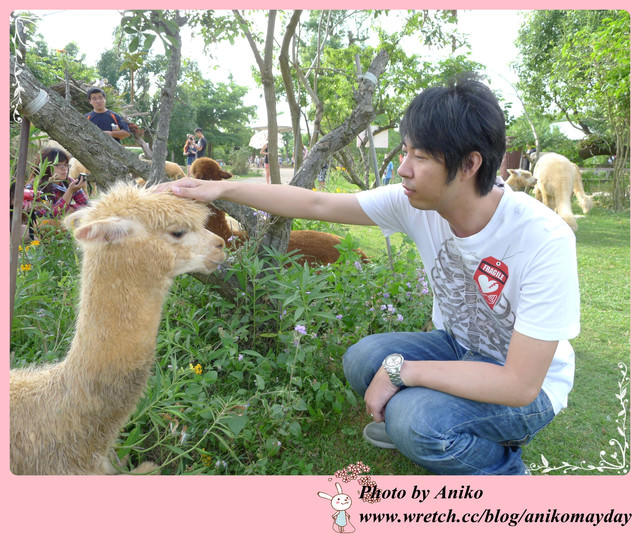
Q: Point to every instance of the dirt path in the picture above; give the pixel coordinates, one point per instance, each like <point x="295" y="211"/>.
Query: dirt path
<point x="286" y="174"/>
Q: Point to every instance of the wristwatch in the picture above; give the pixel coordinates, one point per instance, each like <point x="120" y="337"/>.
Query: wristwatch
<point x="392" y="364"/>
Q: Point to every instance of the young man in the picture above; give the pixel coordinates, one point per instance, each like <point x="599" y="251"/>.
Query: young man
<point x="463" y="398"/>
<point x="201" y="144"/>
<point x="109" y="122"/>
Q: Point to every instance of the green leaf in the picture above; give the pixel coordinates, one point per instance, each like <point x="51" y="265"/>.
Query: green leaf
<point x="236" y="423"/>
<point x="133" y="45"/>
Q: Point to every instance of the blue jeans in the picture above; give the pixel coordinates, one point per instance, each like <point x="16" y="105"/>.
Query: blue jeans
<point x="446" y="434"/>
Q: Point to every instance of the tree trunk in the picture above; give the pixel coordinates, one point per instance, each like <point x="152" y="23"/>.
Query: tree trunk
<point x="265" y="65"/>
<point x="173" y="48"/>
<point x="287" y="80"/>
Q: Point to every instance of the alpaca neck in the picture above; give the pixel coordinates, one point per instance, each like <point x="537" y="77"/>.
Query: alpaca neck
<point x="118" y="318"/>
<point x="217" y="223"/>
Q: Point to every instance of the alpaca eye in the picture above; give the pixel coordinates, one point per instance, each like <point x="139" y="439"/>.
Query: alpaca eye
<point x="178" y="234"/>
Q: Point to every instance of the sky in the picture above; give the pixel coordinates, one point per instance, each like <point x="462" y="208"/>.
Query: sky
<point x="491" y="33"/>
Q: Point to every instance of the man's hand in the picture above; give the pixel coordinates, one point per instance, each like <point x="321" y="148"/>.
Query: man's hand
<point x="197" y="189"/>
<point x="378" y="393"/>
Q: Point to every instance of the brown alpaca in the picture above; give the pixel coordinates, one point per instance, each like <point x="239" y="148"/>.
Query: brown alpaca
<point x="65" y="417"/>
<point x="208" y="169"/>
<point x="223" y="225"/>
<point x="314" y="247"/>
<point x="557" y="178"/>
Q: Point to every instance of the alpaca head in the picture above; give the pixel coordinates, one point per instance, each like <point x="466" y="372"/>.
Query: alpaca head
<point x="520" y="180"/>
<point x="132" y="228"/>
<point x="208" y="169"/>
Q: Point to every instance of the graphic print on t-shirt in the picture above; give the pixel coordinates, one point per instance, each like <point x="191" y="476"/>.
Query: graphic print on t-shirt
<point x="491" y="276"/>
<point x="463" y="306"/>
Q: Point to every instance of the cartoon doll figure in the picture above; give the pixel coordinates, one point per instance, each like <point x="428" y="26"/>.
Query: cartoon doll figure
<point x="340" y="503"/>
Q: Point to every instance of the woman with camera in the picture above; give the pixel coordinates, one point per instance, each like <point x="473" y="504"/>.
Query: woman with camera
<point x="54" y="192"/>
<point x="190" y="151"/>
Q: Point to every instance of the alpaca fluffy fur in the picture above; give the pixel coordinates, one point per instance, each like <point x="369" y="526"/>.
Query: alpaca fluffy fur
<point x="66" y="416"/>
<point x="557" y="178"/>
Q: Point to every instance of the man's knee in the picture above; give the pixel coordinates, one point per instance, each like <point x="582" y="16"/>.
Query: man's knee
<point x="360" y="362"/>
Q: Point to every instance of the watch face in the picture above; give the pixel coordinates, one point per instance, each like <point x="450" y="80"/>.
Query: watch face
<point x="394" y="360"/>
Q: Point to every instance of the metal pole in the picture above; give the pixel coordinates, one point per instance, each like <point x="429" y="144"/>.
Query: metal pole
<point x="16" y="221"/>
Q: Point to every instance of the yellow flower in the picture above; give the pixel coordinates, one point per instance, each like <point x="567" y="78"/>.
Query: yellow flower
<point x="197" y="369"/>
<point x="35" y="243"/>
<point x="25" y="267"/>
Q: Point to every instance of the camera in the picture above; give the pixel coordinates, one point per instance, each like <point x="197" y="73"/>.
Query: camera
<point x="83" y="177"/>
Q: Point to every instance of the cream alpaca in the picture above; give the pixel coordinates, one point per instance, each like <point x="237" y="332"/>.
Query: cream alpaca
<point x="66" y="416"/>
<point x="557" y="178"/>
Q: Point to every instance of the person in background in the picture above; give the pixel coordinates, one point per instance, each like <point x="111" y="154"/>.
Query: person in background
<point x="388" y="173"/>
<point x="109" y="122"/>
<point x="322" y="177"/>
<point x="190" y="151"/>
<point x="201" y="144"/>
<point x="265" y="152"/>
<point x="57" y="193"/>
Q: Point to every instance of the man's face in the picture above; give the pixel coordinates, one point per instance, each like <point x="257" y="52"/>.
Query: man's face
<point x="424" y="178"/>
<point x="98" y="102"/>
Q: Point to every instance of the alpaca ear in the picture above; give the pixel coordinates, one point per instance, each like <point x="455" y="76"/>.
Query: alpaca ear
<point x="108" y="230"/>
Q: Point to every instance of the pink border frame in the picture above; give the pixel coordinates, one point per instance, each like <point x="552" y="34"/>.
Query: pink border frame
<point x="289" y="504"/>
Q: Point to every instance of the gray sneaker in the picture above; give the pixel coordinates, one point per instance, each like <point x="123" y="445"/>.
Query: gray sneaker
<point x="375" y="434"/>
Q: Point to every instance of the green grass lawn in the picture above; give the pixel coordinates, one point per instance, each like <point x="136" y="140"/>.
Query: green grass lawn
<point x="597" y="419"/>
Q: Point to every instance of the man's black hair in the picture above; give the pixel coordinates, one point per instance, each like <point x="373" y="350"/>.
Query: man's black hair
<point x="451" y="122"/>
<point x="95" y="90"/>
<point x="198" y="129"/>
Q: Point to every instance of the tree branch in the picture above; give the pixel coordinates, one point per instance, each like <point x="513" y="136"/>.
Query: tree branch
<point x="107" y="160"/>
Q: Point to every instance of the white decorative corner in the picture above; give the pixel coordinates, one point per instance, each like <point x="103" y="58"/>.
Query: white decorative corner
<point x="616" y="461"/>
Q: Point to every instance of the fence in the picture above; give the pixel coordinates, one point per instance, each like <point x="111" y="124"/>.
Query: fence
<point x="597" y="179"/>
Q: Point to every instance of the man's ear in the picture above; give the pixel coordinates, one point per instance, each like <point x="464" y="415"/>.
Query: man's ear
<point x="472" y="162"/>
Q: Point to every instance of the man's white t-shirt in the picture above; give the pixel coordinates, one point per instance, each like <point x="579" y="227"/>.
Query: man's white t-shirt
<point x="518" y="273"/>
